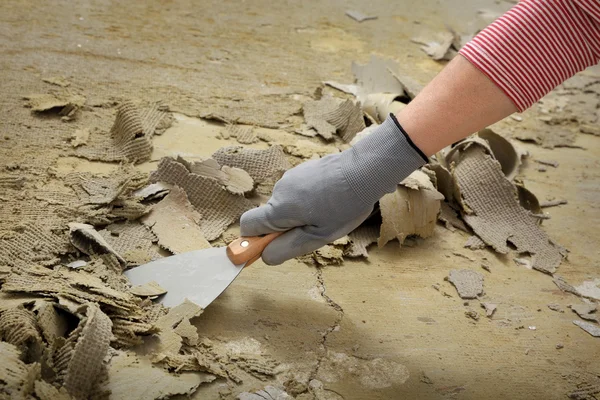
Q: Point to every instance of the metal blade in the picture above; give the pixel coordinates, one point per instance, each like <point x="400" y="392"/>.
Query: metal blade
<point x="200" y="276"/>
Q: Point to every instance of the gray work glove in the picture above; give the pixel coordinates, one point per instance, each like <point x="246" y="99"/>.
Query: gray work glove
<point x="322" y="200"/>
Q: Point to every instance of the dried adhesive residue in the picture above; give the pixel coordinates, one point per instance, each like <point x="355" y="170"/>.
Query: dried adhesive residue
<point x="130" y="377"/>
<point x="219" y="207"/>
<point x="468" y="283"/>
<point x="262" y="165"/>
<point x="79" y="362"/>
<point x="590" y="289"/>
<point x="130" y="136"/>
<point x="491" y="209"/>
<point x="411" y="210"/>
<point x="586" y="311"/>
<point x="329" y="115"/>
<point x="176" y="224"/>
<point x="89" y="241"/>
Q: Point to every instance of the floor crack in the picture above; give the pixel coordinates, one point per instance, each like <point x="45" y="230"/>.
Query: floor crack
<point x="325" y="335"/>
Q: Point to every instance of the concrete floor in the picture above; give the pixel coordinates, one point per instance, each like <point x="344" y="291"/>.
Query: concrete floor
<point x="366" y="330"/>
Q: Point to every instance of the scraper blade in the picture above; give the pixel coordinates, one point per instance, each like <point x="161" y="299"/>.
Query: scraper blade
<point x="201" y="275"/>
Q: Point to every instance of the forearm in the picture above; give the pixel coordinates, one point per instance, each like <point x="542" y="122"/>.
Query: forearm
<point x="460" y="100"/>
<point x="506" y="68"/>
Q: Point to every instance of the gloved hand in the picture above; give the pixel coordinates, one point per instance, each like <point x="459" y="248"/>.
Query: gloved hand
<point x="322" y="200"/>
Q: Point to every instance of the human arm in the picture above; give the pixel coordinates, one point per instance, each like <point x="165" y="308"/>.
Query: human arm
<point x="495" y="75"/>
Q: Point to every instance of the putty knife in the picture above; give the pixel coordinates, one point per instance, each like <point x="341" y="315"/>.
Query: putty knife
<point x="201" y="275"/>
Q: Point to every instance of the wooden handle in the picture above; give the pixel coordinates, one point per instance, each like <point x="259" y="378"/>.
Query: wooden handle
<point x="249" y="249"/>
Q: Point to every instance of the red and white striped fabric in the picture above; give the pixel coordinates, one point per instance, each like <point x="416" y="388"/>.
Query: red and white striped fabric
<point x="537" y="45"/>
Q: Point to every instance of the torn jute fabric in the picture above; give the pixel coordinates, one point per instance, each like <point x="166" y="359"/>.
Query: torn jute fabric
<point x="18" y="327"/>
<point x="79" y="361"/>
<point x="219" y="207"/>
<point x="32" y="243"/>
<point x="176" y="224"/>
<point x="260" y="164"/>
<point x="132" y="240"/>
<point x="130" y="136"/>
<point x="16" y="377"/>
<point x="491" y="208"/>
<point x="329" y="115"/>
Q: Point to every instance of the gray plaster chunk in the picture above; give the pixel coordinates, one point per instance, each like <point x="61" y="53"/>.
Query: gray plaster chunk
<point x="468" y="283"/>
<point x="590" y="328"/>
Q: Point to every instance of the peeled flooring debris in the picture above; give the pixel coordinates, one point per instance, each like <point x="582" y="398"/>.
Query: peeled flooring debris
<point x="133" y="241"/>
<point x="51" y="324"/>
<point x="329" y="116"/>
<point x="590" y="328"/>
<point x="586" y="311"/>
<point x="32" y="242"/>
<point x="493" y="212"/>
<point x="268" y="393"/>
<point x="89" y="241"/>
<point x="19" y="328"/>
<point x="468" y="283"/>
<point x="380" y="105"/>
<point x="452" y="221"/>
<point x="219" y="207"/>
<point x="262" y="165"/>
<point x="360" y="239"/>
<point x="134" y="378"/>
<point x="77" y="286"/>
<point x="236" y="180"/>
<point x="15" y="376"/>
<point x="377" y="76"/>
<point x="130" y="136"/>
<point x="553" y="203"/>
<point x="258" y="365"/>
<point x="564" y="286"/>
<point x="590" y="289"/>
<point x="46" y="391"/>
<point x="169" y="340"/>
<point x="359" y="16"/>
<point x="411" y="210"/>
<point x="444" y="48"/>
<point x="65" y="103"/>
<point x="176" y="224"/>
<point x="243" y="134"/>
<point x="79" y="361"/>
<point x="149" y="289"/>
<point x="490" y="308"/>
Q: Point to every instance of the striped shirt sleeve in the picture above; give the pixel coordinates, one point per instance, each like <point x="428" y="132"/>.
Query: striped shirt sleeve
<point x="537" y="45"/>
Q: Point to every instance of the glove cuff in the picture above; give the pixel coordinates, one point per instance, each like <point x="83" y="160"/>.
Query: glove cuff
<point x="378" y="163"/>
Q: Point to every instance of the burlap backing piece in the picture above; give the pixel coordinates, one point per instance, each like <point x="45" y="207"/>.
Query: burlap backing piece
<point x="492" y="210"/>
<point x="219" y="207"/>
<point x="360" y="239"/>
<point x="132" y="240"/>
<point x="16" y="377"/>
<point x="236" y="180"/>
<point x="89" y="241"/>
<point x="18" y="326"/>
<point x="51" y="324"/>
<point x="130" y="136"/>
<point x="31" y="243"/>
<point x="260" y="164"/>
<point x="46" y="391"/>
<point x="411" y="210"/>
<point x="78" y="286"/>
<point x="176" y="224"/>
<point x="468" y="283"/>
<point x="329" y="115"/>
<point x="79" y="362"/>
<point x="131" y="377"/>
<point x="244" y="134"/>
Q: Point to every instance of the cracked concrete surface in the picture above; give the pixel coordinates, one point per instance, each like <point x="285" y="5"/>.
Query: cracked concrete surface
<point x="363" y="330"/>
